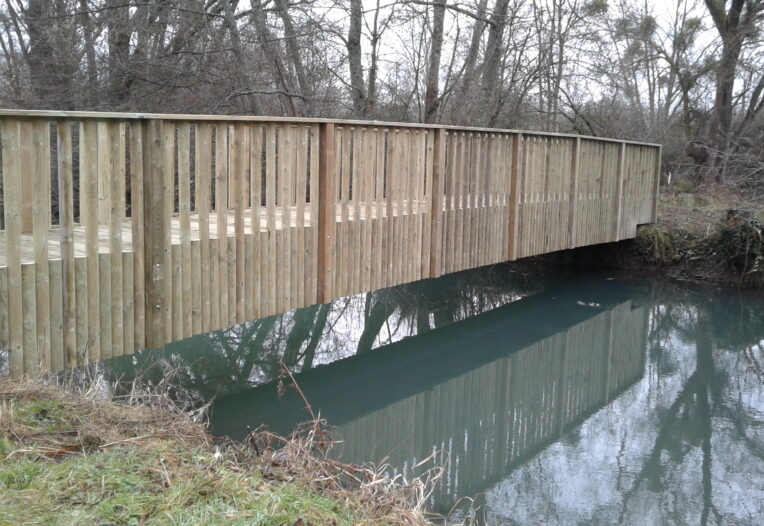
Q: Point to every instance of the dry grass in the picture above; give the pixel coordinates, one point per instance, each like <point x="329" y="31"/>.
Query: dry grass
<point x="69" y="457"/>
<point x="695" y="213"/>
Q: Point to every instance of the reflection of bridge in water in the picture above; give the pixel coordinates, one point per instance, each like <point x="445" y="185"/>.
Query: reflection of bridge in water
<point x="493" y="390"/>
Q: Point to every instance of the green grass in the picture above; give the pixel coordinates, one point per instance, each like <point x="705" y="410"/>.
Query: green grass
<point x="162" y="485"/>
<point x="140" y="480"/>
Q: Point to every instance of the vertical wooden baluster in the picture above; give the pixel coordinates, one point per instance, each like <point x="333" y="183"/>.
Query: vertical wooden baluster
<point x="256" y="186"/>
<point x="187" y="315"/>
<point x="327" y="216"/>
<point x="301" y="173"/>
<point x="221" y="208"/>
<point x="270" y="204"/>
<point x="202" y="171"/>
<point x="66" y="220"/>
<point x="41" y="221"/>
<point x="13" y="225"/>
<point x="239" y="145"/>
<point x="618" y="205"/>
<point x="315" y="165"/>
<point x="138" y="161"/>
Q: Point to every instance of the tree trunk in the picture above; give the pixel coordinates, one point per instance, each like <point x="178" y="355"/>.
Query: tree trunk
<point x="273" y="56"/>
<point x="431" y="100"/>
<point x="119" y="53"/>
<point x="293" y="49"/>
<point x="251" y="100"/>
<point x="492" y="62"/>
<point x="360" y="100"/>
<point x="734" y="27"/>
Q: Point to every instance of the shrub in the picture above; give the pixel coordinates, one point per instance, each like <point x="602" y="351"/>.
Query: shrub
<point x="739" y="242"/>
<point x="656" y="243"/>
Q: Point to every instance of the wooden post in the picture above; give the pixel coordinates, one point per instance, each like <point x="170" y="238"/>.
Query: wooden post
<point x="326" y="212"/>
<point x="436" y="200"/>
<point x="514" y="203"/>
<point x="656" y="191"/>
<point x="619" y="192"/>
<point x="573" y="195"/>
<point x="157" y="183"/>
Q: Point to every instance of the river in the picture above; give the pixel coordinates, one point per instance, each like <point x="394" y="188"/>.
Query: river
<point x="569" y="399"/>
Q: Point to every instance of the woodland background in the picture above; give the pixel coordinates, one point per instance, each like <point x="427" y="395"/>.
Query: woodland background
<point x="685" y="73"/>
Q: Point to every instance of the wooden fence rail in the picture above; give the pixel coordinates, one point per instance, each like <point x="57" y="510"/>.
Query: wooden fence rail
<point x="122" y="232"/>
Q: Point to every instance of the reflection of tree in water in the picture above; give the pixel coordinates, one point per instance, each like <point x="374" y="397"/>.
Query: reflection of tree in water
<point x="228" y="361"/>
<point x="688" y="442"/>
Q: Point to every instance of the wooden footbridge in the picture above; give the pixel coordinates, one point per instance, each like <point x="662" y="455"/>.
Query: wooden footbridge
<point x="122" y="232"/>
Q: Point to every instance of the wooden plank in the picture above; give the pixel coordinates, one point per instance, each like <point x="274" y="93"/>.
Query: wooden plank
<point x="81" y="301"/>
<point x="284" y="254"/>
<point x="104" y="171"/>
<point x="256" y="176"/>
<point x="66" y="220"/>
<point x="177" y="292"/>
<point x="29" y="317"/>
<point x="26" y="161"/>
<point x="465" y="174"/>
<point x="187" y="314"/>
<point x="116" y="200"/>
<point x="573" y="193"/>
<point x="12" y="211"/>
<point x="202" y="172"/>
<point x="389" y="227"/>
<point x="301" y="172"/>
<point x="370" y="141"/>
<point x="158" y="200"/>
<point x="449" y="239"/>
<point x="4" y="337"/>
<point x="231" y="260"/>
<point x="397" y="179"/>
<point x="315" y="161"/>
<point x="239" y="181"/>
<point x="41" y="221"/>
<point x="618" y="204"/>
<point x="514" y="202"/>
<point x="344" y="272"/>
<point x="261" y="119"/>
<point x="379" y="197"/>
<point x="326" y="213"/>
<point x="138" y="162"/>
<point x="197" y="280"/>
<point x="56" y="343"/>
<point x="354" y="240"/>
<point x="270" y="205"/>
<point x="424" y="205"/>
<point x="221" y="209"/>
<point x="104" y="295"/>
<point x="128" y="290"/>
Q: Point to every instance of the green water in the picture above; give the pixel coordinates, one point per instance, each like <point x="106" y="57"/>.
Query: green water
<point x="567" y="400"/>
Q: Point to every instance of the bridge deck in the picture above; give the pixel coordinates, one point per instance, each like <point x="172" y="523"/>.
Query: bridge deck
<point x="79" y="239"/>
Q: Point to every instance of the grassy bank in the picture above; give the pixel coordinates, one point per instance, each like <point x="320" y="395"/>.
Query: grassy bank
<point x="76" y="459"/>
<point x="709" y="234"/>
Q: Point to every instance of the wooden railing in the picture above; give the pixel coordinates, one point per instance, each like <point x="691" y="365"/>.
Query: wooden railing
<point x="128" y="231"/>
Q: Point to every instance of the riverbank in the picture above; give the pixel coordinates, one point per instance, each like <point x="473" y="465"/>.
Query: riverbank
<point x="69" y="458"/>
<point x="712" y="235"/>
